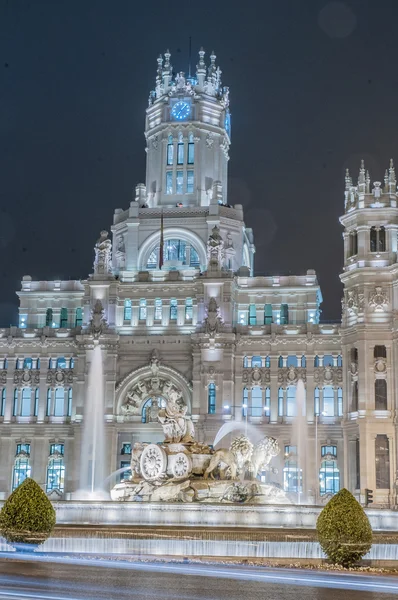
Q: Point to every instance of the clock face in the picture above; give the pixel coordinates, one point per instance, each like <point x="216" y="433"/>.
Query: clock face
<point x="181" y="110"/>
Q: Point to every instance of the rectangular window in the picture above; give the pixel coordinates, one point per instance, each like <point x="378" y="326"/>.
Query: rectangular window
<point x="169" y="182"/>
<point x="21" y="471"/>
<point x="179" y="182"/>
<point x="191" y="153"/>
<point x="3" y="402"/>
<point x="267" y="401"/>
<point x="328" y="400"/>
<point x="79" y="317"/>
<point x="126" y="474"/>
<point x="55" y="475"/>
<point x="126" y="448"/>
<point x="70" y="395"/>
<point x="257" y="402"/>
<point x="284" y="318"/>
<point x="48" y="407"/>
<point x="56" y="449"/>
<point x="170" y="153"/>
<point x="280" y="402"/>
<point x="173" y="309"/>
<point x="252" y="314"/>
<point x="64" y="318"/>
<point x="291" y="410"/>
<point x="211" y="405"/>
<point x="188" y="309"/>
<point x="142" y="311"/>
<point x="36" y="407"/>
<point x="268" y="314"/>
<point x="158" y="309"/>
<point x="382" y="456"/>
<point x="332" y="450"/>
<point x="180" y="154"/>
<point x="189" y="182"/>
<point x="127" y="310"/>
<point x="316" y="402"/>
<point x="15" y="404"/>
<point x="59" y="402"/>
<point x="25" y="402"/>
<point x="340" y="402"/>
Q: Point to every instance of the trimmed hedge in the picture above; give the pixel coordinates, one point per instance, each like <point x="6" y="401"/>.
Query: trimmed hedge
<point x="27" y="515"/>
<point x="344" y="531"/>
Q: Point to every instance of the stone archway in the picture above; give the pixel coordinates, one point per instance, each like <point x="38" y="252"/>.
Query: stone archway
<point x="153" y="380"/>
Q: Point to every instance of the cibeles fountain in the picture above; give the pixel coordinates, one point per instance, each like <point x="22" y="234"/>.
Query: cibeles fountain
<point x="181" y="469"/>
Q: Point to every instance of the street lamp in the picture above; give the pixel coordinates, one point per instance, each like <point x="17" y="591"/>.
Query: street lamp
<point x="323" y="413"/>
<point x="245" y="406"/>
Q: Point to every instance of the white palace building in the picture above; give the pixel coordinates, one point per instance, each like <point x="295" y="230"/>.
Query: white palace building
<point x="174" y="284"/>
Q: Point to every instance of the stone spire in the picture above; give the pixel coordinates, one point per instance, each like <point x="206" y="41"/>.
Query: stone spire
<point x="367" y="182"/>
<point x="348" y="179"/>
<point x="167" y="69"/>
<point x="201" y="68"/>
<point x="392" y="182"/>
<point x="362" y="178"/>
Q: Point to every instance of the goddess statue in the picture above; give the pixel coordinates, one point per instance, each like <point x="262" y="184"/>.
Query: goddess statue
<point x="177" y="426"/>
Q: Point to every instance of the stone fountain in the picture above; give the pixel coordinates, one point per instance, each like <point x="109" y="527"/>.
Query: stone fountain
<point x="183" y="470"/>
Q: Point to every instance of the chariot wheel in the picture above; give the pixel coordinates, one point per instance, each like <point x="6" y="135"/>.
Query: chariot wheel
<point x="182" y="466"/>
<point x="153" y="462"/>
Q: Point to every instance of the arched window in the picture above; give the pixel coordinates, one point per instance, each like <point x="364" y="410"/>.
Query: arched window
<point x="257" y="361"/>
<point x="339" y="361"/>
<point x="340" y="401"/>
<point x="380" y="394"/>
<point x="380" y="352"/>
<point x="49" y="317"/>
<point x="55" y="479"/>
<point x="280" y="362"/>
<point x="329" y="477"/>
<point x="148" y="413"/>
<point x="284" y="314"/>
<point x="267" y="362"/>
<point x="316" y="402"/>
<point x="245" y="402"/>
<point x="382" y="457"/>
<point x="328" y="360"/>
<point x="63" y="322"/>
<point x="79" y="317"/>
<point x="180" y="150"/>
<point x="291" y="361"/>
<point x="252" y="314"/>
<point x="177" y="251"/>
<point x="211" y="399"/>
<point x="280" y="402"/>
<point x="303" y="362"/>
<point x="257" y="402"/>
<point x="59" y="402"/>
<point x="268" y="314"/>
<point x="191" y="149"/>
<point x="328" y="400"/>
<point x="316" y="361"/>
<point x="173" y="309"/>
<point x="26" y="399"/>
<point x="291" y="408"/>
<point x="127" y="310"/>
<point x="170" y="150"/>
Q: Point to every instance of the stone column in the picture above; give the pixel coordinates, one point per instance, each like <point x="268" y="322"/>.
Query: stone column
<point x="10" y="386"/>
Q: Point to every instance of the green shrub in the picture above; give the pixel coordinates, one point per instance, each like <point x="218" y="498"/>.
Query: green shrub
<point x="27" y="515"/>
<point x="344" y="531"/>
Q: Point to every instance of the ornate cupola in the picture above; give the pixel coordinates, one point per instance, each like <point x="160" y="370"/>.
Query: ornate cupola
<point x="188" y="131"/>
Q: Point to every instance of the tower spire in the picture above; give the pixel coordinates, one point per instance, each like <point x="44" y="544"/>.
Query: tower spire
<point x="362" y="178"/>
<point x="392" y="181"/>
<point x="201" y="68"/>
<point x="348" y="180"/>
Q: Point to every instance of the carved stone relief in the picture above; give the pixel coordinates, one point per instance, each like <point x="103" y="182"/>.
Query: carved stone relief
<point x="26" y="377"/>
<point x="59" y="377"/>
<point x="378" y="300"/>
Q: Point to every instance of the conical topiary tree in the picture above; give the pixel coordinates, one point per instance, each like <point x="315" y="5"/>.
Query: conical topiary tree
<point x="344" y="531"/>
<point x="27" y="515"/>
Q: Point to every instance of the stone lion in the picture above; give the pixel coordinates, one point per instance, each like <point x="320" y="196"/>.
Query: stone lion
<point x="263" y="452"/>
<point x="230" y="463"/>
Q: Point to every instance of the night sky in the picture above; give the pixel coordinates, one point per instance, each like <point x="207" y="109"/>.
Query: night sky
<point x="313" y="88"/>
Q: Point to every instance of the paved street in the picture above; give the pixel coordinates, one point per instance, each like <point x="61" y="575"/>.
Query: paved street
<point x="78" y="580"/>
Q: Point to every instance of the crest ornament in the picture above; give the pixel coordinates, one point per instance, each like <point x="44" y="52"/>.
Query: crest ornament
<point x="213" y="320"/>
<point x="378" y="301"/>
<point x="97" y="323"/>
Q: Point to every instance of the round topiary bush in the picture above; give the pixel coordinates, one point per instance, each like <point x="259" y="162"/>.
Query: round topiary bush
<point x="27" y="515"/>
<point x="344" y="531"/>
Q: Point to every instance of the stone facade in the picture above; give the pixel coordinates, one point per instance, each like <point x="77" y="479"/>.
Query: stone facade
<point x="191" y="322"/>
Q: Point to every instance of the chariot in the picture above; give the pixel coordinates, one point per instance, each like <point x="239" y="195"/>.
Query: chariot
<point x="158" y="461"/>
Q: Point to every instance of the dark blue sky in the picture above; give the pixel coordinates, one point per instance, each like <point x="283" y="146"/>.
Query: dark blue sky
<point x="313" y="90"/>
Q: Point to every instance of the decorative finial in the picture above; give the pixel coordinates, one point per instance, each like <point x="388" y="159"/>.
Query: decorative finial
<point x="167" y="57"/>
<point x="160" y="69"/>
<point x="361" y="178"/>
<point x="367" y="181"/>
<point x="348" y="180"/>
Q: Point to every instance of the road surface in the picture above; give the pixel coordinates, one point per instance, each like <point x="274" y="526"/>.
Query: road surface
<point x="74" y="579"/>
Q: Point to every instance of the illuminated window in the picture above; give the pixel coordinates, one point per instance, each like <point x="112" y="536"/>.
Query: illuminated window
<point x="339" y="361"/>
<point x="211" y="399"/>
<point x="245" y="402"/>
<point x="70" y="396"/>
<point x="252" y="314"/>
<point x="267" y="400"/>
<point x="284" y="318"/>
<point x="169" y="182"/>
<point x="280" y="362"/>
<point x="27" y="363"/>
<point x="173" y="309"/>
<point x="15" y="403"/>
<point x="291" y="409"/>
<point x="340" y="402"/>
<point x="179" y="182"/>
<point x="36" y="404"/>
<point x="188" y="309"/>
<point x="268" y="314"/>
<point x="180" y="150"/>
<point x="170" y="151"/>
<point x="21" y="471"/>
<point x="292" y="475"/>
<point x="174" y="250"/>
<point x="191" y="150"/>
<point x="26" y="397"/>
<point x="61" y="363"/>
<point x="267" y="362"/>
<point x="63" y="318"/>
<point x="126" y="474"/>
<point x="328" y="400"/>
<point x="79" y="317"/>
<point x="142" y="310"/>
<point x="329" y="477"/>
<point x="382" y="456"/>
<point x="245" y="361"/>
<point x="280" y="402"/>
<point x="316" y="361"/>
<point x="3" y="402"/>
<point x="316" y="402"/>
<point x="127" y="310"/>
<point x="48" y="407"/>
<point x="59" y="402"/>
<point x="158" y="309"/>
<point x="291" y="361"/>
<point x="126" y="448"/>
<point x="49" y="317"/>
<point x="189" y="182"/>
<point x="303" y="362"/>
<point x="55" y="479"/>
<point x="328" y="360"/>
<point x="380" y="394"/>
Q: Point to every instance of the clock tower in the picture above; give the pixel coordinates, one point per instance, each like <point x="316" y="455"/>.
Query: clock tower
<point x="188" y="129"/>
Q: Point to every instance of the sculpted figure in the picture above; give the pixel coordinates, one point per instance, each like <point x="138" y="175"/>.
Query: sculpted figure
<point x="177" y="427"/>
<point x="103" y="254"/>
<point x="263" y="452"/>
<point x="230" y="463"/>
